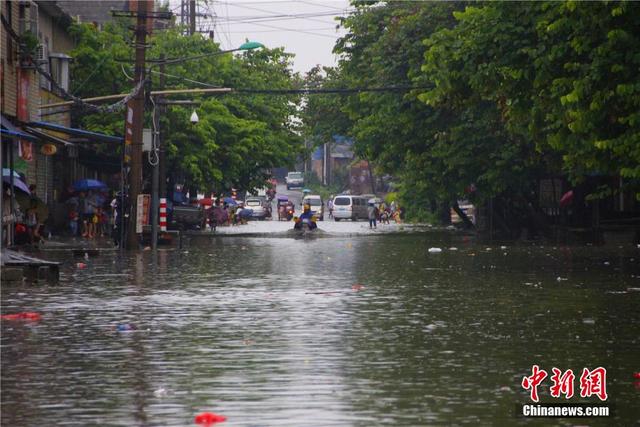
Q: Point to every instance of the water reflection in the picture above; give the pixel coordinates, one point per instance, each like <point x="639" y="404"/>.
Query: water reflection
<point x="270" y="332"/>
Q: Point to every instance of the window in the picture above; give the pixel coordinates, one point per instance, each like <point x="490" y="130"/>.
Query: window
<point x="59" y="63"/>
<point x="342" y="201"/>
<point x="8" y="38"/>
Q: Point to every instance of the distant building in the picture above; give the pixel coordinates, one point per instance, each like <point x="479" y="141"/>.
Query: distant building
<point x="97" y="12"/>
<point x="332" y="159"/>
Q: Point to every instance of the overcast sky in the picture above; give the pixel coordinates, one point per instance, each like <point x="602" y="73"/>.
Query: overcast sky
<point x="306" y="28"/>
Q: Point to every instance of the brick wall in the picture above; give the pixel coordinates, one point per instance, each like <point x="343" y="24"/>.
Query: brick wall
<point x="9" y="79"/>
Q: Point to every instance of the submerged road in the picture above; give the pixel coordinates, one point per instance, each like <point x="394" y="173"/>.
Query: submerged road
<point x="349" y="330"/>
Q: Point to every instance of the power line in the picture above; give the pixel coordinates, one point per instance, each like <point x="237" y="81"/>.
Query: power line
<point x="291" y="30"/>
<point x="310" y="3"/>
<point x="268" y="11"/>
<point x="280" y="17"/>
<point x="309" y="91"/>
<point x="185" y="79"/>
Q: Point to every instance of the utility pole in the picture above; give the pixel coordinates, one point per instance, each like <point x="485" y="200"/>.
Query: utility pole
<point x="135" y="177"/>
<point x="157" y="143"/>
<point x="161" y="155"/>
<point x="192" y="17"/>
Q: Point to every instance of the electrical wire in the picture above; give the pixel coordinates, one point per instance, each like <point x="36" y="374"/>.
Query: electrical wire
<point x="185" y="79"/>
<point x="292" y="30"/>
<point x="268" y="11"/>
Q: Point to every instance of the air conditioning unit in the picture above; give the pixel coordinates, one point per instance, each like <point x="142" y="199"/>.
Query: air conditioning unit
<point x="42" y="55"/>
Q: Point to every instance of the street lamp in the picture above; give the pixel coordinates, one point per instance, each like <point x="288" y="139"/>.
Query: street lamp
<point x="194" y="119"/>
<point x="244" y="46"/>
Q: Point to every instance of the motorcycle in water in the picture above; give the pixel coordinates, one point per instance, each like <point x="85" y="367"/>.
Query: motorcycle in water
<point x="289" y="213"/>
<point x="305" y="225"/>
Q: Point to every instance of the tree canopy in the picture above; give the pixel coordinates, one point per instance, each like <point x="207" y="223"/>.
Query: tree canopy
<point x="505" y="94"/>
<point x="239" y="136"/>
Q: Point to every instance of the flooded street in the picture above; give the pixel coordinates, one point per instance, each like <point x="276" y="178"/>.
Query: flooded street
<point x="335" y="331"/>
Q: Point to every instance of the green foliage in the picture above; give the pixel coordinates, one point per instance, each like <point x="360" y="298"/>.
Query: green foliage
<point x="239" y="137"/>
<point x="512" y="92"/>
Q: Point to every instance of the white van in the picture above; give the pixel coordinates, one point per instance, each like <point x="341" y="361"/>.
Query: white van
<point x="349" y="207"/>
<point x="316" y="204"/>
<point x="294" y="179"/>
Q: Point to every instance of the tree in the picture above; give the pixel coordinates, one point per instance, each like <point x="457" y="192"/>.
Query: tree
<point x="239" y="136"/>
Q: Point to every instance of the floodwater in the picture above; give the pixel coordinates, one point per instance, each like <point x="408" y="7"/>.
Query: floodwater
<point x="273" y="332"/>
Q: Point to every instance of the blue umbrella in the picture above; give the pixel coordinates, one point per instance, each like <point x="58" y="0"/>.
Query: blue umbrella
<point x="230" y="201"/>
<point x="17" y="183"/>
<point x="7" y="172"/>
<point x="89" y="184"/>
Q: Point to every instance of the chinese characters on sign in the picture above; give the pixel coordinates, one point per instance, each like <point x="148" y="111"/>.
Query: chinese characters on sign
<point x="592" y="383"/>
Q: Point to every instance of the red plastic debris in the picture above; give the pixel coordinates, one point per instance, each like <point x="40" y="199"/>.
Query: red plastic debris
<point x="81" y="265"/>
<point x="636" y="375"/>
<point x="208" y="418"/>
<point x="357" y="287"/>
<point x="27" y="315"/>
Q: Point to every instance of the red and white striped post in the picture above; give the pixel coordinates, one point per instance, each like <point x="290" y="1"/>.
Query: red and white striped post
<point x="163" y="214"/>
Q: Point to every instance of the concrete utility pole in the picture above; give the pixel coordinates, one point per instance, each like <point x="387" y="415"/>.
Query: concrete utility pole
<point x="192" y="17"/>
<point x="162" y="187"/>
<point x="135" y="177"/>
<point x="157" y="143"/>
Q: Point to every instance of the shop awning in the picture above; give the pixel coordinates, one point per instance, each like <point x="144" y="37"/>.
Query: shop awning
<point x="21" y="135"/>
<point x="77" y="132"/>
<point x="47" y="137"/>
<point x="8" y="130"/>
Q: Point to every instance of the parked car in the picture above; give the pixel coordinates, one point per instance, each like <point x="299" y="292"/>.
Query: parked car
<point x="316" y="203"/>
<point x="349" y="207"/>
<point x="258" y="205"/>
<point x="294" y="179"/>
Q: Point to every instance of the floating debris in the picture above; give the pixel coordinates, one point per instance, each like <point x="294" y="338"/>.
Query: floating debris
<point x="27" y="315"/>
<point x="435" y="250"/>
<point x="208" y="418"/>
<point x="125" y="327"/>
<point x="161" y="392"/>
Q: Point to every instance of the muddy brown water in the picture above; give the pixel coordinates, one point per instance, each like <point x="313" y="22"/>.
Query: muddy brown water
<point x="272" y="332"/>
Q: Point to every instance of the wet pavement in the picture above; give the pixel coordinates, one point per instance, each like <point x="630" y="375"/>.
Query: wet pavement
<point x="356" y="329"/>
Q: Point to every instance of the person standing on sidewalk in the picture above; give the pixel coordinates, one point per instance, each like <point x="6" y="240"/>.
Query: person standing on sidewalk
<point x="330" y="206"/>
<point x="372" y="213"/>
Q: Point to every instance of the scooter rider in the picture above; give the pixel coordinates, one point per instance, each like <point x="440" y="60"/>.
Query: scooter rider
<point x="306" y="216"/>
